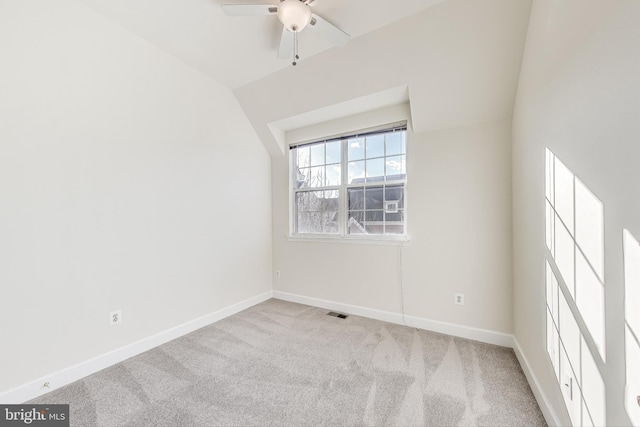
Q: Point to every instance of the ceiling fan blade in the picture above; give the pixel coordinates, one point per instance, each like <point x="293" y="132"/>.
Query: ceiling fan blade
<point x="285" y="50"/>
<point x="328" y="31"/>
<point x="249" y="9"/>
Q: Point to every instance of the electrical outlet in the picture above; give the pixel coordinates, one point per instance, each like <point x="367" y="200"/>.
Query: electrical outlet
<point x="459" y="299"/>
<point x="115" y="317"/>
<point x="277" y="274"/>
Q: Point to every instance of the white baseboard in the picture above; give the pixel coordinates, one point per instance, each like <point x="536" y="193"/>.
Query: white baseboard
<point x="477" y="334"/>
<point x="468" y="332"/>
<point x="356" y="310"/>
<point x="550" y="415"/>
<point x="58" y="379"/>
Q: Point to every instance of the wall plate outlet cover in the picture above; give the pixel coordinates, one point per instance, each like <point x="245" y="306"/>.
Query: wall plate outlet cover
<point x="115" y="317"/>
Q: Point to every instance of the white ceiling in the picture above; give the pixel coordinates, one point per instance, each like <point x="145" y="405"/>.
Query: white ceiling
<point x="459" y="60"/>
<point x="238" y="50"/>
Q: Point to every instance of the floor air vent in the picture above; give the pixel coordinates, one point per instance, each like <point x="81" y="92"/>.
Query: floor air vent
<point x="338" y="315"/>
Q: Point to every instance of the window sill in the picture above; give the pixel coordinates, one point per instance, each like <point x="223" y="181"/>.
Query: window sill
<point x="377" y="240"/>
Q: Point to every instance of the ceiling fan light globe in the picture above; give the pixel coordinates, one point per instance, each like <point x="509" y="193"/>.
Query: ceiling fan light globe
<point x="294" y="15"/>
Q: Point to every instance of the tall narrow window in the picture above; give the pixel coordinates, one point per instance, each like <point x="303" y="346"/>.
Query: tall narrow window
<point x="351" y="186"/>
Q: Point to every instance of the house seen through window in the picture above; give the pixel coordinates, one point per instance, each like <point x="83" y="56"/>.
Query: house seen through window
<point x="350" y="186"/>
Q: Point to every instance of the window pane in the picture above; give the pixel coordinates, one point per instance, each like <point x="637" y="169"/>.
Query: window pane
<point x="394" y="217"/>
<point x="394" y="223"/>
<point x="355" y="149"/>
<point x="330" y="201"/>
<point x="356" y="198"/>
<point x="303" y="157"/>
<point x="300" y="177"/>
<point x="395" y="193"/>
<point x="374" y="216"/>
<point x="310" y="222"/>
<point x="317" y="211"/>
<point x="395" y="143"/>
<point x="375" y="146"/>
<point x="374" y="198"/>
<point x="356" y="172"/>
<point x="330" y="222"/>
<point x="316" y="201"/>
<point x="313" y="177"/>
<point x="374" y="228"/>
<point x="309" y="201"/>
<point x="317" y="155"/>
<point x="374" y="222"/>
<point x="332" y="194"/>
<point x="375" y="170"/>
<point x="394" y="229"/>
<point x="354" y="223"/>
<point x="396" y="167"/>
<point x="304" y="174"/>
<point x="333" y="175"/>
<point x="334" y="152"/>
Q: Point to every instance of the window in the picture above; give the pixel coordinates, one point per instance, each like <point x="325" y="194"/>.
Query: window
<point x="350" y="186"/>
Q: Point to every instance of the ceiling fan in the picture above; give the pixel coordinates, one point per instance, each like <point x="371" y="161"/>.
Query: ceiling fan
<point x="295" y="15"/>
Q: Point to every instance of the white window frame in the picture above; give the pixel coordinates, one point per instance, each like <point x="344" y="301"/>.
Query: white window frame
<point x="343" y="235"/>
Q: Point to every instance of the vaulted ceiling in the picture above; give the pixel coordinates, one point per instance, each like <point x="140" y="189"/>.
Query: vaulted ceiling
<point x="457" y="61"/>
<point x="239" y="50"/>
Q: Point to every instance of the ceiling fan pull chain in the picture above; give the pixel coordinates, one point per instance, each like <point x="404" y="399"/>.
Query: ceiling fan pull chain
<point x="295" y="46"/>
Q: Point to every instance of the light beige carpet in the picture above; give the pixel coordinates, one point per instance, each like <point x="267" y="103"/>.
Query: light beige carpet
<point x="280" y="363"/>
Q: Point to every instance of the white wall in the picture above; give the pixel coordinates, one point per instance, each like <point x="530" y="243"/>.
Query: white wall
<point x="579" y="95"/>
<point x="460" y="207"/>
<point x="460" y="60"/>
<point x="127" y="181"/>
<point x="459" y="210"/>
